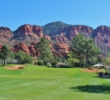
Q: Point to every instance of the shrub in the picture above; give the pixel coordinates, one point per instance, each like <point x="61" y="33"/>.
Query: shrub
<point x="63" y="65"/>
<point x="23" y="58"/>
<point x="49" y="64"/>
<point x="35" y="63"/>
<point x="12" y="61"/>
<point x="101" y="72"/>
<point x="53" y="62"/>
<point x="107" y="68"/>
<point x="39" y="63"/>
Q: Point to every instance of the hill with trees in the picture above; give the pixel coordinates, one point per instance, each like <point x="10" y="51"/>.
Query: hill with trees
<point x="58" y="33"/>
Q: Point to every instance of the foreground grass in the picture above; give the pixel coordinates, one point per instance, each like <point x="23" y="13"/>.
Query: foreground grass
<point x="41" y="83"/>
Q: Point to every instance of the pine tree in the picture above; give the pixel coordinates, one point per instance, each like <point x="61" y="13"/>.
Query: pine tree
<point x="45" y="50"/>
<point x="83" y="48"/>
<point x="4" y="54"/>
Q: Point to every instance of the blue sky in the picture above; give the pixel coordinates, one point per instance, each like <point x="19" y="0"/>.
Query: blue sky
<point x="14" y="13"/>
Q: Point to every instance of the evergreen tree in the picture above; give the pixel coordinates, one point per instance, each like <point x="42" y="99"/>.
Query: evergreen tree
<point x="45" y="50"/>
<point x="4" y="54"/>
<point x="76" y="47"/>
<point x="71" y="59"/>
<point x="83" y="48"/>
<point x="90" y="49"/>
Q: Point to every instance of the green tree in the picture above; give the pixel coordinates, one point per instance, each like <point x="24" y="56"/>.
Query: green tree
<point x="83" y="48"/>
<point x="76" y="47"/>
<point x="107" y="60"/>
<point x="4" y="54"/>
<point x="10" y="57"/>
<point x="90" y="49"/>
<point x="22" y="57"/>
<point x="59" y="58"/>
<point x="71" y="59"/>
<point x="93" y="60"/>
<point x="45" y="50"/>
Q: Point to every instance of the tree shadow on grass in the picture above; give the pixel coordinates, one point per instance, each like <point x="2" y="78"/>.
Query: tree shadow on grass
<point x="101" y="77"/>
<point x="92" y="88"/>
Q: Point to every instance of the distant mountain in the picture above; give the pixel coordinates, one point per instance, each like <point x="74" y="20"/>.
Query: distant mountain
<point x="59" y="33"/>
<point x="54" y="28"/>
<point x="62" y="32"/>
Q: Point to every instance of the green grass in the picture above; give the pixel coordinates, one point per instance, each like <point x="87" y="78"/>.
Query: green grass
<point x="41" y="83"/>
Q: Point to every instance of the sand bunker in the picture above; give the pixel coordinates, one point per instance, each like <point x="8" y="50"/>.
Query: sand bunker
<point x="16" y="67"/>
<point x="93" y="70"/>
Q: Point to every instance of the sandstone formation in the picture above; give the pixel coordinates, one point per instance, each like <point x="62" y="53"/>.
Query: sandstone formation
<point x="101" y="37"/>
<point x="61" y="39"/>
<point x="76" y="29"/>
<point x="21" y="46"/>
<point x="29" y="30"/>
<point x="5" y="35"/>
<point x="59" y="34"/>
<point x="61" y="49"/>
<point x="27" y="34"/>
<point x="29" y="49"/>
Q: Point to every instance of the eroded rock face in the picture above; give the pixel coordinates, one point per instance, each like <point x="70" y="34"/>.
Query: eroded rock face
<point x="22" y="47"/>
<point x="61" y="48"/>
<point x="61" y="38"/>
<point x="47" y="37"/>
<point x="101" y="37"/>
<point x="76" y="29"/>
<point x="27" y="36"/>
<point x="33" y="50"/>
<point x="29" y="49"/>
<point x="5" y="35"/>
<point x="65" y="34"/>
<point x="101" y="31"/>
<point x="29" y="30"/>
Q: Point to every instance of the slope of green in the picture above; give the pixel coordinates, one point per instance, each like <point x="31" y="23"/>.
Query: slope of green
<point x="54" y="27"/>
<point x="41" y="83"/>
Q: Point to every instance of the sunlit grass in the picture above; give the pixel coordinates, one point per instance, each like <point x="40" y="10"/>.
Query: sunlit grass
<point x="43" y="83"/>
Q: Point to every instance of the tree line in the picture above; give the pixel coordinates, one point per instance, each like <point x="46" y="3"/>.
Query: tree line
<point x="82" y="50"/>
<point x="18" y="57"/>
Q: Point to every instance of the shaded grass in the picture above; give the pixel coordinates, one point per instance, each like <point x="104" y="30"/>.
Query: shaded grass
<point x="102" y="88"/>
<point x="41" y="83"/>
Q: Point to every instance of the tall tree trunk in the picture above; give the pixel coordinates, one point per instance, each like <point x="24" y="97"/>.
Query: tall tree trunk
<point x="86" y="61"/>
<point x="43" y="59"/>
<point x="80" y="61"/>
<point x="72" y="63"/>
<point x="4" y="62"/>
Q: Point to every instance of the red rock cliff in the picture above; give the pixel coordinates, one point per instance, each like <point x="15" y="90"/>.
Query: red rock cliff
<point x="76" y="29"/>
<point x="101" y="36"/>
<point x="5" y="35"/>
<point x="22" y="47"/>
<point x="29" y="30"/>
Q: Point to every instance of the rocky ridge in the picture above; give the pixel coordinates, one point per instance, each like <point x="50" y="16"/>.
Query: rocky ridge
<point x="60" y="34"/>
